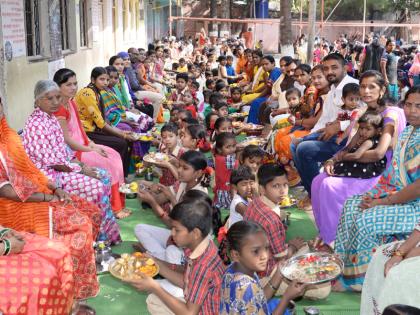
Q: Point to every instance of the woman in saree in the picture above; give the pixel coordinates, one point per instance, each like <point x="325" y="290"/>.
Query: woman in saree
<point x="34" y="273"/>
<point x="268" y="64"/>
<point x="285" y="133"/>
<point x="337" y="189"/>
<point x="127" y="121"/>
<point x="387" y="212"/>
<point x="258" y="79"/>
<point x="86" y="150"/>
<point x="393" y="276"/>
<point x="44" y="143"/>
<point x="90" y="107"/>
<point x="30" y="203"/>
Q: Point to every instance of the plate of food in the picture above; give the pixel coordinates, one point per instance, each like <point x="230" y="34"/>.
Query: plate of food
<point x="155" y="157"/>
<point x="133" y="266"/>
<point x="313" y="268"/>
<point x="237" y="124"/>
<point x="252" y="140"/>
<point x="288" y="202"/>
<point x="129" y="188"/>
<point x="238" y="115"/>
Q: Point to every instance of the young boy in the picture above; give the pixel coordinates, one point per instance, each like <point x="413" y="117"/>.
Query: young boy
<point x="202" y="272"/>
<point x="242" y="180"/>
<point x="265" y="210"/>
<point x="182" y="66"/>
<point x="349" y="111"/>
<point x="181" y="88"/>
<point x="221" y="109"/>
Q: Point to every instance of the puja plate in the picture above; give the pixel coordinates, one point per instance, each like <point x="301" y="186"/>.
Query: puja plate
<point x="252" y="140"/>
<point x="133" y="266"/>
<point x="313" y="268"/>
<point x="238" y="115"/>
<point x="154" y="157"/>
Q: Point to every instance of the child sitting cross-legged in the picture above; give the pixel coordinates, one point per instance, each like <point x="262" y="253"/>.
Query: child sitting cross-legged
<point x="158" y="242"/>
<point x="202" y="272"/>
<point x="193" y="173"/>
<point x="242" y="291"/>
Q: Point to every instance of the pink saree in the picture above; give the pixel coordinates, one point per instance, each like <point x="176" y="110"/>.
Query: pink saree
<point x="112" y="163"/>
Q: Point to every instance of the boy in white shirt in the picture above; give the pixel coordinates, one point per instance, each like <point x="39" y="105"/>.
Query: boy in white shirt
<point x="242" y="180"/>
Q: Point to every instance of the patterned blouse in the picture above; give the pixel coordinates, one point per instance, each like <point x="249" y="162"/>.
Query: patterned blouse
<point x="242" y="294"/>
<point x="88" y="106"/>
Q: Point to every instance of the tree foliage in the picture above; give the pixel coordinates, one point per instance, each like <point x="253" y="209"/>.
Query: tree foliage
<point x="353" y="9"/>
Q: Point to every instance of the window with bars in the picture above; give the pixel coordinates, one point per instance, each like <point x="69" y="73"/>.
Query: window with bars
<point x="32" y="28"/>
<point x="83" y="23"/>
<point x="64" y="24"/>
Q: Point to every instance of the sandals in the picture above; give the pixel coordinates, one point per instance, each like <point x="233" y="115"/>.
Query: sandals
<point x="138" y="247"/>
<point x="124" y="213"/>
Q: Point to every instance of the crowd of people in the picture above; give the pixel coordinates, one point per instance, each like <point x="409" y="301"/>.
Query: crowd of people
<point x="345" y="130"/>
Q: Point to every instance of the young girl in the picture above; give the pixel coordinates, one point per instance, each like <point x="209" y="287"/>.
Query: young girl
<point x="252" y="156"/>
<point x="170" y="146"/>
<point x="222" y="124"/>
<point x="235" y="101"/>
<point x="366" y="138"/>
<point x="211" y="119"/>
<point x="241" y="287"/>
<point x="302" y="77"/>
<point x="189" y="103"/>
<point x="193" y="137"/>
<point x="225" y="161"/>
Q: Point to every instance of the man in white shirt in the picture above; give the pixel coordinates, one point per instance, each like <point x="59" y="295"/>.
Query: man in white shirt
<point x="320" y="145"/>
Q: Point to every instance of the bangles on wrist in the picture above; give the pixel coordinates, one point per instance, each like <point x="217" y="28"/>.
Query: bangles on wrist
<point x="7" y="247"/>
<point x="272" y="286"/>
<point x="3" y="232"/>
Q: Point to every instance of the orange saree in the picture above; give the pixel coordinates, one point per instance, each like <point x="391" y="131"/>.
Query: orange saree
<point x="76" y="224"/>
<point x="38" y="280"/>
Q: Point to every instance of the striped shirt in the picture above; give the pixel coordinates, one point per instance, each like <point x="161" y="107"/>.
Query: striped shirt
<point x="203" y="278"/>
<point x="261" y="213"/>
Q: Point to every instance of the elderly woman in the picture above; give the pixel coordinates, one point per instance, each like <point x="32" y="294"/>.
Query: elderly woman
<point x="329" y="192"/>
<point x="34" y="269"/>
<point x="30" y="203"/>
<point x="44" y="143"/>
<point x="389" y="211"/>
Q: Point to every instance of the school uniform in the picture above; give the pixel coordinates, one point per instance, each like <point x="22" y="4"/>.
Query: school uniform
<point x="202" y="281"/>
<point x="267" y="215"/>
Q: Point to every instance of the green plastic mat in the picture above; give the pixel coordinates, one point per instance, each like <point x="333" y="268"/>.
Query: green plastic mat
<point x="116" y="297"/>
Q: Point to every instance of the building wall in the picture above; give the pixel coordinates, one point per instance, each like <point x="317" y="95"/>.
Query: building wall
<point x="108" y="33"/>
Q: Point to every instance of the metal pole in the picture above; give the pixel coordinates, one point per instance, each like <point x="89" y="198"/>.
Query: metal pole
<point x="300" y="23"/>
<point x="311" y="30"/>
<point x="170" y="17"/>
<point x="322" y="16"/>
<point x="364" y="21"/>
